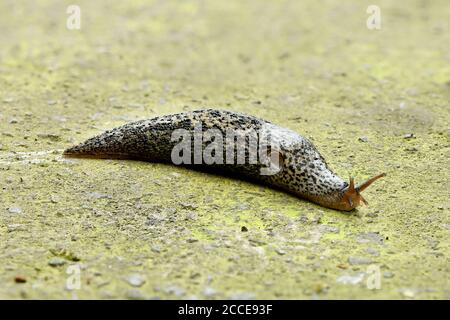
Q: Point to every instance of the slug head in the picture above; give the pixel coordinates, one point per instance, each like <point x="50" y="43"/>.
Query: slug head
<point x="351" y="197"/>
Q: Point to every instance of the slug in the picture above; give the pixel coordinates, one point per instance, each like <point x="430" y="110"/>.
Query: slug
<point x="231" y="143"/>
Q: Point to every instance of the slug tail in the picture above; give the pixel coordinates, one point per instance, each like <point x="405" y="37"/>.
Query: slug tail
<point x="108" y="145"/>
<point x="87" y="149"/>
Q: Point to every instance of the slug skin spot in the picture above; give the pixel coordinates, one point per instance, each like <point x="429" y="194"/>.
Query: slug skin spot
<point x="303" y="171"/>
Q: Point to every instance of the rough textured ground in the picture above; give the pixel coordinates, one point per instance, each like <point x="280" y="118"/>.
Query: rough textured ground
<point x="139" y="230"/>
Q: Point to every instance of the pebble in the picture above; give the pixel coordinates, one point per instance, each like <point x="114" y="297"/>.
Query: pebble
<point x="14" y="227"/>
<point x="15" y="210"/>
<point x="156" y="249"/>
<point x="409" y="136"/>
<point x="209" y="292"/>
<point x="56" y="262"/>
<point x="189" y="206"/>
<point x="135" y="280"/>
<point x="175" y="290"/>
<point x="408" y="292"/>
<point x="351" y="279"/>
<point x="191" y="215"/>
<point x="374" y="237"/>
<point x="388" y="274"/>
<point x="98" y="195"/>
<point x="355" y="260"/>
<point x="170" y="211"/>
<point x="328" y="229"/>
<point x="363" y="139"/>
<point x="154" y="220"/>
<point x="372" y="214"/>
<point x="373" y="252"/>
<point x="242" y="206"/>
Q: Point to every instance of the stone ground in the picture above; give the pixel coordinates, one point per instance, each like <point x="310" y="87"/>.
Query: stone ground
<point x="371" y="100"/>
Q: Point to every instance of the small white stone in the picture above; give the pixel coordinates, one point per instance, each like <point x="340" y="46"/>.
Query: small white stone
<point x="15" y="210"/>
<point x="135" y="280"/>
<point x="351" y="279"/>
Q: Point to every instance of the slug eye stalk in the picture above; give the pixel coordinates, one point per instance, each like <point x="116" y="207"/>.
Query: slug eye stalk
<point x="353" y="194"/>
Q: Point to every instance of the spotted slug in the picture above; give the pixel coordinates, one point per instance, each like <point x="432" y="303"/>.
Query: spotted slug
<point x="230" y="142"/>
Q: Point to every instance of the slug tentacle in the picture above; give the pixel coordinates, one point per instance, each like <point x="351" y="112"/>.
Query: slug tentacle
<point x="352" y="196"/>
<point x="294" y="162"/>
<point x="364" y="185"/>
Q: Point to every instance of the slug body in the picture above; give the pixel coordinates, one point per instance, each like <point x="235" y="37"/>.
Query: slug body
<point x="290" y="161"/>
